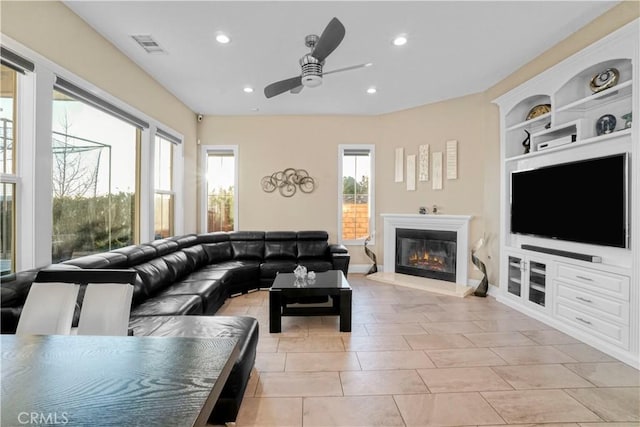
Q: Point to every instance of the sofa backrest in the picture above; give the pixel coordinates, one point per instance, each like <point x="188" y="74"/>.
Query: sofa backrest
<point x="247" y="245"/>
<point x="280" y="245"/>
<point x="312" y="244"/>
<point x="137" y="254"/>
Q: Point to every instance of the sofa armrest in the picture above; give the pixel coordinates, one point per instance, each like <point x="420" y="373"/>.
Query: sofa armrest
<point x="338" y="249"/>
<point x="340" y="261"/>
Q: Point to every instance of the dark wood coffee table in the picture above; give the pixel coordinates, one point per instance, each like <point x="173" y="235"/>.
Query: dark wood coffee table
<point x="331" y="283"/>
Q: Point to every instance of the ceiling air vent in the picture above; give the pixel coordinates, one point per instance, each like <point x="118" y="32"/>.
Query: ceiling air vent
<point x="148" y="43"/>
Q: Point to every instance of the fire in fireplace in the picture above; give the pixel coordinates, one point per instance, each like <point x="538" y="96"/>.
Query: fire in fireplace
<point x="426" y="253"/>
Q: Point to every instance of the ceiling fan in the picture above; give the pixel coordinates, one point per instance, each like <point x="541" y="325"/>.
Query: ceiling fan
<point x="313" y="61"/>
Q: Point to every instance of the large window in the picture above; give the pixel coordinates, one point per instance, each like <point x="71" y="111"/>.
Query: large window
<point x="164" y="195"/>
<point x="8" y="179"/>
<point x="356" y="189"/>
<point x="95" y="182"/>
<point x="221" y="188"/>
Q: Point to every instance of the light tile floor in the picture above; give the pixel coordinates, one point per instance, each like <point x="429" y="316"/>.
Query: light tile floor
<point x="415" y="358"/>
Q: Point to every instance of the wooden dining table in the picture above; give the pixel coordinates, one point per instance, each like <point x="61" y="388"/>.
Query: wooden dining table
<point x="112" y="381"/>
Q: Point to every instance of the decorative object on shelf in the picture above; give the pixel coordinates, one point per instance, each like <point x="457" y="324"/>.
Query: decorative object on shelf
<point x="423" y="163"/>
<point x="452" y="159"/>
<point x="483" y="286"/>
<point x="547" y="126"/>
<point x="434" y="209"/>
<point x="538" y="110"/>
<point x="605" y="124"/>
<point x="371" y="255"/>
<point x="627" y="120"/>
<point x="399" y="164"/>
<point x="411" y="172"/>
<point x="422" y="210"/>
<point x="527" y="142"/>
<point x="604" y="80"/>
<point x="288" y="181"/>
<point x="437" y="171"/>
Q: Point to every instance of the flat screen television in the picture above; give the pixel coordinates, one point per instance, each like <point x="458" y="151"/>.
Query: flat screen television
<point x="583" y="201"/>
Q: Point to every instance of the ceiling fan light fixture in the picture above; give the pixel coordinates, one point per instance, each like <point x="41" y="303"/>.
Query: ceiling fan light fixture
<point x="372" y="90"/>
<point x="248" y="89"/>
<point x="222" y="38"/>
<point x="400" y="40"/>
<point x="311" y="81"/>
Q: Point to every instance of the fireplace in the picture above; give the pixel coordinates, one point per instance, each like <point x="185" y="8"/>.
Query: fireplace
<point x="457" y="224"/>
<point x="426" y="253"/>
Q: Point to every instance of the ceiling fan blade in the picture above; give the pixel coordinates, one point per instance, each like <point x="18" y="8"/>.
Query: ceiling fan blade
<point x="297" y="89"/>
<point x="282" y="86"/>
<point x="329" y="40"/>
<point x="353" y="67"/>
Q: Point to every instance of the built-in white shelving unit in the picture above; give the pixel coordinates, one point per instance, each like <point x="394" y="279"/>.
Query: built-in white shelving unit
<point x="596" y="302"/>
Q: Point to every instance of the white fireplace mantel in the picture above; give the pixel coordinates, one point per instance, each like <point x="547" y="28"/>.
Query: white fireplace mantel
<point x="457" y="223"/>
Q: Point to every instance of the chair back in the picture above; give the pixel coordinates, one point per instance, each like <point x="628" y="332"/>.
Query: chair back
<point x="48" y="309"/>
<point x="105" y="309"/>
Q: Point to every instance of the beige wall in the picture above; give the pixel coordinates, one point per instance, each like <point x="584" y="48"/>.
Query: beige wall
<point x="55" y="32"/>
<point x="270" y="144"/>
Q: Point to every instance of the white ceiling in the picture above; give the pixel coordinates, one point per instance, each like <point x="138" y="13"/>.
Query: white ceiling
<point x="455" y="48"/>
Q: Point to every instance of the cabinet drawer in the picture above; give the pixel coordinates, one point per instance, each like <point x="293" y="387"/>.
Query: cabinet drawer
<point x="616" y="310"/>
<point x="616" y="334"/>
<point x="596" y="281"/>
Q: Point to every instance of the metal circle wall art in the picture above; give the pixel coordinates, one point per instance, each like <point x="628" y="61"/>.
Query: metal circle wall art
<point x="288" y="182"/>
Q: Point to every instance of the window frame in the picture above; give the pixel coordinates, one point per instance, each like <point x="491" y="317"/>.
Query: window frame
<point x="171" y="192"/>
<point x="204" y="155"/>
<point x="372" y="186"/>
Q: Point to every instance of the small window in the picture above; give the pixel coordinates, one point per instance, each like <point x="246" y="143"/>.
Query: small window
<point x="356" y="189"/>
<point x="163" y="193"/>
<point x="221" y="188"/>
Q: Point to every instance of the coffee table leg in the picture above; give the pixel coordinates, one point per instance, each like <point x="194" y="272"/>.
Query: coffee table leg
<point x="275" y="319"/>
<point x="345" y="311"/>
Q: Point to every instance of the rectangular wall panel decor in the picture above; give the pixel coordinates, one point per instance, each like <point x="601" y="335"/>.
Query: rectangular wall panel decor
<point x="399" y="164"/>
<point x="423" y="163"/>
<point x="452" y="159"/>
<point x="411" y="172"/>
<point x="437" y="171"/>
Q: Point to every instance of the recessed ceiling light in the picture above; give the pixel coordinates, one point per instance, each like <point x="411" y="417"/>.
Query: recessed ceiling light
<point x="248" y="89"/>
<point x="371" y="90"/>
<point x="400" y="40"/>
<point x="222" y="38"/>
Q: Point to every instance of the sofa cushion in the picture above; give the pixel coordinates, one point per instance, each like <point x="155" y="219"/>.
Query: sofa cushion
<point x="101" y="260"/>
<point x="137" y="254"/>
<point x="196" y="256"/>
<point x="179" y="264"/>
<point x="220" y="274"/>
<point x="163" y="246"/>
<point x="217" y="252"/>
<point x="247" y="245"/>
<point x="155" y="275"/>
<point x="209" y="291"/>
<point x="280" y="245"/>
<point x="312" y="249"/>
<point x="215" y="237"/>
<point x="167" y="305"/>
<point x="185" y="241"/>
<point x="270" y="269"/>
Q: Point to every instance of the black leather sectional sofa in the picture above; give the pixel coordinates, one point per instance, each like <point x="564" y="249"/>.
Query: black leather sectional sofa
<point x="193" y="275"/>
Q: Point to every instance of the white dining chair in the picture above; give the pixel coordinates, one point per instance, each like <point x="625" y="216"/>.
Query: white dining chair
<point x="48" y="309"/>
<point x="105" y="309"/>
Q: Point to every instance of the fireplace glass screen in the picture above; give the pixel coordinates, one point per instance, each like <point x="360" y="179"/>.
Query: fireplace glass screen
<point x="426" y="253"/>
